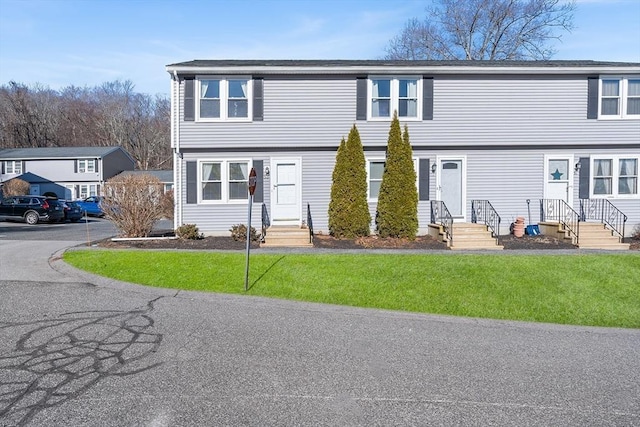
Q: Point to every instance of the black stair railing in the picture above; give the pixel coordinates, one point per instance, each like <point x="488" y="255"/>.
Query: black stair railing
<point x="559" y="210"/>
<point x="604" y="211"/>
<point x="310" y="223"/>
<point x="441" y="215"/>
<point x="266" y="222"/>
<point x="483" y="212"/>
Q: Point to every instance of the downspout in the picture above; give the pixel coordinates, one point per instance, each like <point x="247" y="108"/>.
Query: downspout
<point x="177" y="155"/>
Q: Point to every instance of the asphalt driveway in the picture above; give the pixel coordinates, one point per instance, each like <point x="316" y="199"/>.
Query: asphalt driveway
<point x="80" y="350"/>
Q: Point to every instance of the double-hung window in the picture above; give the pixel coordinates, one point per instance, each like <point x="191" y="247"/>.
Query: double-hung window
<point x="87" y="190"/>
<point x="222" y="99"/>
<point x="615" y="176"/>
<point x="389" y="94"/>
<point x="224" y="180"/>
<point x="619" y="97"/>
<point x="13" y="167"/>
<point x="86" y="166"/>
<point x="375" y="170"/>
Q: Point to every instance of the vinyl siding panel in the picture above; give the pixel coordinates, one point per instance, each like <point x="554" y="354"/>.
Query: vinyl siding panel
<point x="503" y="126"/>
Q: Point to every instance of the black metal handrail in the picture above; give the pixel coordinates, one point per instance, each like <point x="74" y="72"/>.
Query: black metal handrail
<point x="310" y="223"/>
<point x="559" y="210"/>
<point x="605" y="212"/>
<point x="266" y="222"/>
<point x="441" y="215"/>
<point x="483" y="211"/>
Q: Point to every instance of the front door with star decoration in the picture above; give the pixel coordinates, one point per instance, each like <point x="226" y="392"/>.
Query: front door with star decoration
<point x="558" y="175"/>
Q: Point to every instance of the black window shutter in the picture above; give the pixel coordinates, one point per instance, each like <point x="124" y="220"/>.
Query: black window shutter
<point x="258" y="99"/>
<point x="361" y="98"/>
<point x="75" y="166"/>
<point x="592" y="97"/>
<point x="583" y="186"/>
<point x="258" y="195"/>
<point x="189" y="100"/>
<point x="192" y="182"/>
<point x="423" y="183"/>
<point x="96" y="163"/>
<point x="2" y="167"/>
<point x="98" y="190"/>
<point x="76" y="191"/>
<point x="427" y="98"/>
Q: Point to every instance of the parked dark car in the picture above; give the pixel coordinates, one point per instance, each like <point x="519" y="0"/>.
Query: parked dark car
<point x="32" y="209"/>
<point x="91" y="205"/>
<point x="72" y="211"/>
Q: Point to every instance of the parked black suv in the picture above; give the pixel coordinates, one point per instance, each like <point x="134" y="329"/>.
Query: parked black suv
<point x="32" y="209"/>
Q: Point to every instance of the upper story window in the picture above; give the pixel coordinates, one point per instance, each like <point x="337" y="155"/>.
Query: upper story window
<point x="223" y="99"/>
<point x="619" y="98"/>
<point x="86" y="166"/>
<point x="13" y="167"/>
<point x="389" y="94"/>
<point x="615" y="176"/>
<point x="224" y="180"/>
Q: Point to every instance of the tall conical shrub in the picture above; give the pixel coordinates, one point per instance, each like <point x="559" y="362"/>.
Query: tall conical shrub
<point x="348" y="209"/>
<point x="397" y="213"/>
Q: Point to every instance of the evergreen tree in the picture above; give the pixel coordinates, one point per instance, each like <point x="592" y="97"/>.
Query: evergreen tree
<point x="348" y="209"/>
<point x="397" y="213"/>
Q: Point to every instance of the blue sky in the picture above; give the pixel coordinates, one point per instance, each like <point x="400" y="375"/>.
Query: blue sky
<point x="58" y="43"/>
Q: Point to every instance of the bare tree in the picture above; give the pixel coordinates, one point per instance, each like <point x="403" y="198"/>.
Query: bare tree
<point x="484" y="30"/>
<point x="15" y="187"/>
<point x="133" y="203"/>
<point x="108" y="115"/>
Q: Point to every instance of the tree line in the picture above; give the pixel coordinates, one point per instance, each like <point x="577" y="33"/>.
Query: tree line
<point x="111" y="114"/>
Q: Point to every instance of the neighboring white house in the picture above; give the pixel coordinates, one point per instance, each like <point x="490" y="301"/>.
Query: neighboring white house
<point x="67" y="172"/>
<point x="503" y="131"/>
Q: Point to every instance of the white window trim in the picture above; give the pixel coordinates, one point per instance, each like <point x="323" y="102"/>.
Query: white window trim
<point x="615" y="176"/>
<point x="224" y="170"/>
<point x="383" y="159"/>
<point x="90" y="165"/>
<point x="92" y="190"/>
<point x="623" y="97"/>
<point x="224" y="99"/>
<point x="395" y="97"/>
<point x="13" y="164"/>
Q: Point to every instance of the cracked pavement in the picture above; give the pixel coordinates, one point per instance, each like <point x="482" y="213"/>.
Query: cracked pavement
<point x="81" y="350"/>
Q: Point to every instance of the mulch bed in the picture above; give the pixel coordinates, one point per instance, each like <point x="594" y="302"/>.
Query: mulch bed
<point x="509" y="242"/>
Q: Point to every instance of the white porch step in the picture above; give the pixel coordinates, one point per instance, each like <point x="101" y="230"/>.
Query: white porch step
<point x="286" y="237"/>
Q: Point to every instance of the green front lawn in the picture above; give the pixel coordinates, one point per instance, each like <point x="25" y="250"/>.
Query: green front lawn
<point x="592" y="289"/>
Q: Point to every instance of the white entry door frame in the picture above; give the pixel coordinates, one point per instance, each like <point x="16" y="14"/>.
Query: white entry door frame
<point x="286" y="190"/>
<point x="558" y="177"/>
<point x="451" y="184"/>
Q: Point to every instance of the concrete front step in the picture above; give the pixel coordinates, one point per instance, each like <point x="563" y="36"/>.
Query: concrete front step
<point x="593" y="235"/>
<point x="286" y="237"/>
<point x="473" y="237"/>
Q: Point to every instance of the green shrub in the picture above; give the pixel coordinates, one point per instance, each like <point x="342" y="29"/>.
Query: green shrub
<point x="397" y="213"/>
<point x="239" y="233"/>
<point x="348" y="209"/>
<point x="189" y="231"/>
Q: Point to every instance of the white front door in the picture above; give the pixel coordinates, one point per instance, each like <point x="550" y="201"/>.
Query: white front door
<point x="450" y="185"/>
<point x="286" y="205"/>
<point x="558" y="175"/>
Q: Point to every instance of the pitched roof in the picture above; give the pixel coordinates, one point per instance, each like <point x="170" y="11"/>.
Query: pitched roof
<point x="340" y="66"/>
<point x="55" y="152"/>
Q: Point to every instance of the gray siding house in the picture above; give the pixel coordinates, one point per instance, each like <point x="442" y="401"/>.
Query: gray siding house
<point x="503" y="132"/>
<point x="68" y="172"/>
